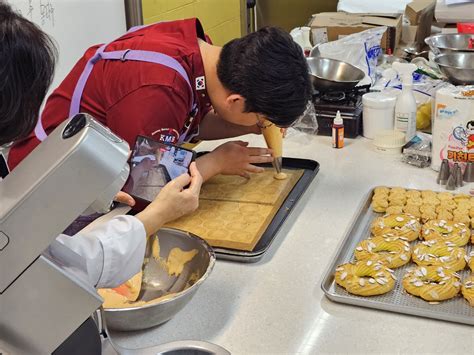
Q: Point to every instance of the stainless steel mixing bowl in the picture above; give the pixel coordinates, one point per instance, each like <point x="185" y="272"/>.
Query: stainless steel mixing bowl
<point x="331" y="74"/>
<point x="150" y="315"/>
<point x="458" y="67"/>
<point x="450" y="42"/>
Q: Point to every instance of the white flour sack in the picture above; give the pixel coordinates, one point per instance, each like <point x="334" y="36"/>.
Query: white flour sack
<point x="453" y="126"/>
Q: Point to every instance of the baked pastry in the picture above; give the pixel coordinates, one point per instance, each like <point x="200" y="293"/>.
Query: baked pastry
<point x="445" y="215"/>
<point x="470" y="260"/>
<point x="381" y="190"/>
<point x="365" y="278"/>
<point x="461" y="198"/>
<point x="398" y="201"/>
<point x="428" y="194"/>
<point x="379" y="204"/>
<point x="433" y="201"/>
<point x="414" y="210"/>
<point x="456" y="233"/>
<point x="394" y="210"/>
<point x="464" y="205"/>
<point x="400" y="225"/>
<point x="467" y="290"/>
<point x="393" y="252"/>
<point x="461" y="218"/>
<point x="432" y="283"/>
<point x="442" y="196"/>
<point x="413" y="194"/>
<point x="439" y="253"/>
<point x="417" y="201"/>
<point x="448" y="205"/>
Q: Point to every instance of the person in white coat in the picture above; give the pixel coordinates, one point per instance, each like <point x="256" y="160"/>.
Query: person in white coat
<point x="114" y="250"/>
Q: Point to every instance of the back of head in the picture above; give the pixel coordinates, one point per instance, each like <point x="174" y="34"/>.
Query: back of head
<point x="270" y="71"/>
<point x="27" y="59"/>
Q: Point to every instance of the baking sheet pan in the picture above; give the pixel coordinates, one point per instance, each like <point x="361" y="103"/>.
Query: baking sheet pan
<point x="311" y="168"/>
<point x="398" y="300"/>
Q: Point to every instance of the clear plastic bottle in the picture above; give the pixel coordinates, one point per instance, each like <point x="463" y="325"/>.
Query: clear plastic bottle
<point x="405" y="107"/>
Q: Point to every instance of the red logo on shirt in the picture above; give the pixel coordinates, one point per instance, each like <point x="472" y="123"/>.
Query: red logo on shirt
<point x="166" y="135"/>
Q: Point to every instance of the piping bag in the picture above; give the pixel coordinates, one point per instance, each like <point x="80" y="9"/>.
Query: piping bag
<point x="274" y="139"/>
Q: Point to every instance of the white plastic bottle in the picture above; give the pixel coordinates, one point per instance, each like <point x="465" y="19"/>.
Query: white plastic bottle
<point x="405" y="107"/>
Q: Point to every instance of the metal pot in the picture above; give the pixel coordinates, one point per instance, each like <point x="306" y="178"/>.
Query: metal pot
<point x="331" y="74"/>
<point x="150" y="315"/>
<point x="458" y="67"/>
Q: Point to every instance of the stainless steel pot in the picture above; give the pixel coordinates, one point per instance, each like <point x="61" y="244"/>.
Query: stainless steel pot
<point x="150" y="315"/>
<point x="331" y="74"/>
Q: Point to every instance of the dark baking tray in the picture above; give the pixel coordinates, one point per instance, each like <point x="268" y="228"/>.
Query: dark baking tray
<point x="311" y="168"/>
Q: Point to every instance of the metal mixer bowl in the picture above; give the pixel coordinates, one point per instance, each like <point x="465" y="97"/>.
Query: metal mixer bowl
<point x="450" y="42"/>
<point x="457" y="67"/>
<point x="151" y="315"/>
<point x="331" y="74"/>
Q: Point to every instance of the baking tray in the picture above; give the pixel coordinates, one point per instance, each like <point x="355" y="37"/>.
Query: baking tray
<point x="311" y="169"/>
<point x="454" y="310"/>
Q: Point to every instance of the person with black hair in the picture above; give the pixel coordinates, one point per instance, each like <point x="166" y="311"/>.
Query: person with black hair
<point x="114" y="250"/>
<point x="166" y="81"/>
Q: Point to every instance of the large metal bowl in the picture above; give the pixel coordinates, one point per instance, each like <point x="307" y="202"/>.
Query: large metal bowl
<point x="150" y="315"/>
<point x="457" y="67"/>
<point x="332" y="75"/>
<point x="450" y="42"/>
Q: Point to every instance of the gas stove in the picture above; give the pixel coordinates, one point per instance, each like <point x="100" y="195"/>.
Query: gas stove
<point x="348" y="103"/>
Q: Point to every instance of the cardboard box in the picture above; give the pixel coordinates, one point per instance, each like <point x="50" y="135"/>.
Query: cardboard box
<point x="331" y="26"/>
<point x="420" y="13"/>
<point x="454" y="13"/>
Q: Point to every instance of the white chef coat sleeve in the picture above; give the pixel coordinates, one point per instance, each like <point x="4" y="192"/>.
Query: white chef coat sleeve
<point x="113" y="250"/>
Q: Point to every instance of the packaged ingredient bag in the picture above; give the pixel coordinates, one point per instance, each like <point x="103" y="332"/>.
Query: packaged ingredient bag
<point x="453" y="126"/>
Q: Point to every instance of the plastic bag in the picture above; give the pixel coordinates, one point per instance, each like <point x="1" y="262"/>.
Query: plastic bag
<point x="417" y="152"/>
<point x="307" y="123"/>
<point x="360" y="49"/>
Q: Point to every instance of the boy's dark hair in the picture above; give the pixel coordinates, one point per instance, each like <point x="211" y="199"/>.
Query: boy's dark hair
<point x="27" y="60"/>
<point x="270" y="71"/>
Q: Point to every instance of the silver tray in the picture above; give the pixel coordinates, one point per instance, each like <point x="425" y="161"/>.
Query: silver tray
<point x="398" y="300"/>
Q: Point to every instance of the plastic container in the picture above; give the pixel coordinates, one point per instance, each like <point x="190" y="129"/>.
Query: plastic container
<point x="389" y="142"/>
<point x="378" y="113"/>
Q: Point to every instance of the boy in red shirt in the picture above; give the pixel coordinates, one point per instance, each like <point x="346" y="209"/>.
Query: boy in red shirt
<point x="188" y="90"/>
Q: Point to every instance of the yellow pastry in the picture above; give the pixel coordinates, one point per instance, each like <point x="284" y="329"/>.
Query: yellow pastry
<point x="461" y="197"/>
<point x="394" y="210"/>
<point x="461" y="218"/>
<point x="397" y="202"/>
<point x="468" y="290"/>
<point x="393" y="252"/>
<point x="471" y="212"/>
<point x="417" y="201"/>
<point x="439" y="253"/>
<point x="412" y="209"/>
<point x="379" y="205"/>
<point x="432" y="283"/>
<point x="442" y="196"/>
<point x="448" y="205"/>
<point x="413" y="194"/>
<point x="365" y="278"/>
<point x="464" y="205"/>
<point x="397" y="190"/>
<point x="470" y="260"/>
<point x="428" y="215"/>
<point x="400" y="225"/>
<point x="431" y="201"/>
<point x="456" y="233"/>
<point x="382" y="190"/>
<point x="445" y="215"/>
<point x="428" y="194"/>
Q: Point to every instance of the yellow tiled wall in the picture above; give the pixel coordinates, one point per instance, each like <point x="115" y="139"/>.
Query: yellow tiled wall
<point x="223" y="20"/>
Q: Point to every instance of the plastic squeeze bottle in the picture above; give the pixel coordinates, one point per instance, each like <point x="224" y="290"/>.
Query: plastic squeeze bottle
<point x="338" y="131"/>
<point x="405" y="106"/>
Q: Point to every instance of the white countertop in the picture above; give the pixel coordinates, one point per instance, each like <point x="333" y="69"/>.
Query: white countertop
<point x="277" y="306"/>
